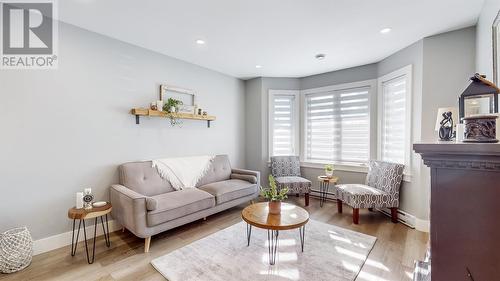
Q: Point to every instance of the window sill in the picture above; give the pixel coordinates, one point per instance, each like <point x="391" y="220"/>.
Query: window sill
<point x="342" y="166"/>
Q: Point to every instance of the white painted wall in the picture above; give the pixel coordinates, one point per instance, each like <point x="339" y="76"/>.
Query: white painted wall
<point x="67" y="129"/>
<point x="484" y="50"/>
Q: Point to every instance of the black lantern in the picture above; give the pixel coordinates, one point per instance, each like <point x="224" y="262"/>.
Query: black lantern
<point x="480" y="98"/>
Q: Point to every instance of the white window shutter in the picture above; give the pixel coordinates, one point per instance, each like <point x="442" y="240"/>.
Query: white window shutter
<point x="338" y="126"/>
<point x="283" y="124"/>
<point x="393" y="124"/>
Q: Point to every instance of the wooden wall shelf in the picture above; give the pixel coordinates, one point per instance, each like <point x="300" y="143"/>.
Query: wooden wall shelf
<point x="138" y="112"/>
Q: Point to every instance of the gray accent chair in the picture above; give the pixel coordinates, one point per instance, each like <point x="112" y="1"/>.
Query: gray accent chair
<point x="381" y="190"/>
<point x="146" y="204"/>
<point x="286" y="172"/>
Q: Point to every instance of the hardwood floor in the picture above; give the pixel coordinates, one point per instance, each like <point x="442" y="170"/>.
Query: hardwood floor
<point x="392" y="258"/>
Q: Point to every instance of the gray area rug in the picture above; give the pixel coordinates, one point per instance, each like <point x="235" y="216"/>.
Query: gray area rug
<point x="330" y="253"/>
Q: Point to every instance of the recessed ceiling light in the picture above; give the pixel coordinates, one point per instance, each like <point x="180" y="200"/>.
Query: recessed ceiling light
<point x="258" y="66"/>
<point x="320" y="56"/>
<point x="385" y="30"/>
<point x="200" y="42"/>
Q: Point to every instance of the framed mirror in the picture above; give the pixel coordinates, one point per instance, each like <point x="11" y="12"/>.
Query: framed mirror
<point x="186" y="96"/>
<point x="496" y="49"/>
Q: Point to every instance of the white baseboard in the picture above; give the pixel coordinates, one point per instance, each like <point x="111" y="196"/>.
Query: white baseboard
<point x="422" y="225"/>
<point x="64" y="239"/>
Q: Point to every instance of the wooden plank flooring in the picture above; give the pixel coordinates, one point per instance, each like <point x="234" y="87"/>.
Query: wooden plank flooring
<point x="392" y="258"/>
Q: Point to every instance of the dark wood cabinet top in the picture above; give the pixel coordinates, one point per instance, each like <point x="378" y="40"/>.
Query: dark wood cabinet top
<point x="451" y="147"/>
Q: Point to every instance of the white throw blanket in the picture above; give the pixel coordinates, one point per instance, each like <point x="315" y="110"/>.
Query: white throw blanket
<point x="183" y="172"/>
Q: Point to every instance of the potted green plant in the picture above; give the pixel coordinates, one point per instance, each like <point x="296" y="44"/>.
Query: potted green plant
<point x="172" y="105"/>
<point x="329" y="170"/>
<point x="274" y="196"/>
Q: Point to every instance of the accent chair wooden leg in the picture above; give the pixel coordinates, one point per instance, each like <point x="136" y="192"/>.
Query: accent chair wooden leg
<point x="147" y="242"/>
<point x="371" y="209"/>
<point x="296" y="194"/>
<point x="306" y="197"/>
<point x="394" y="215"/>
<point x="339" y="206"/>
<point x="355" y="216"/>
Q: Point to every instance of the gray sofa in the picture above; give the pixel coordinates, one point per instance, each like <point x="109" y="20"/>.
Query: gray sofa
<point x="146" y="204"/>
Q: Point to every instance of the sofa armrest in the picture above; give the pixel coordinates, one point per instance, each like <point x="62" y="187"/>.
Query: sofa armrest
<point x="248" y="178"/>
<point x="129" y="208"/>
<point x="248" y="172"/>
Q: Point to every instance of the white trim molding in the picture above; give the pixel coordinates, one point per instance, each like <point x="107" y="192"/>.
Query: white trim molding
<point x="57" y="241"/>
<point x="422" y="225"/>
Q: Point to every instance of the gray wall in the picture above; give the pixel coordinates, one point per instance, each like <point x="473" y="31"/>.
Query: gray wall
<point x="67" y="129"/>
<point x="484" y="51"/>
<point x="349" y="75"/>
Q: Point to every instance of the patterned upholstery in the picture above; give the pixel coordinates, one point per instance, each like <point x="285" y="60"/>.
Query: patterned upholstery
<point x="381" y="189"/>
<point x="294" y="184"/>
<point x="285" y="166"/>
<point x="286" y="172"/>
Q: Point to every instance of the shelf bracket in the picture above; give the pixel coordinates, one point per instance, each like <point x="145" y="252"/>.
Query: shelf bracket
<point x="137" y="121"/>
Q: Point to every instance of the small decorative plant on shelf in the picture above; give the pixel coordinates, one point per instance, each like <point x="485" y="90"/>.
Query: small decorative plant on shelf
<point x="274" y="196"/>
<point x="329" y="170"/>
<point x="172" y="107"/>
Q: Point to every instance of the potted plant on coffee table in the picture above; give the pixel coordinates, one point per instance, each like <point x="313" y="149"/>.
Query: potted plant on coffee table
<point x="274" y="196"/>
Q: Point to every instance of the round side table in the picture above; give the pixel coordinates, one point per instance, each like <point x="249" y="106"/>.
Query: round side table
<point x="324" y="184"/>
<point x="84" y="214"/>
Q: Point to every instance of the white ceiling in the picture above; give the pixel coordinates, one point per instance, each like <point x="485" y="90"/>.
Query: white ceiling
<point x="281" y="35"/>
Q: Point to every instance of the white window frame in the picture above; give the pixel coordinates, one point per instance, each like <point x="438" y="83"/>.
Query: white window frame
<point x="354" y="167"/>
<point x="408" y="72"/>
<point x="295" y="123"/>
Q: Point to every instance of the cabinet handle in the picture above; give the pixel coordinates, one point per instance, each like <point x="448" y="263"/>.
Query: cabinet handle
<point x="469" y="274"/>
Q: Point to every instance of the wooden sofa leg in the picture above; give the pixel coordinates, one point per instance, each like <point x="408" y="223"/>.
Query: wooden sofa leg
<point x="355" y="216"/>
<point x="306" y="197"/>
<point x="339" y="206"/>
<point x="147" y="242"/>
<point x="371" y="210"/>
<point x="394" y="215"/>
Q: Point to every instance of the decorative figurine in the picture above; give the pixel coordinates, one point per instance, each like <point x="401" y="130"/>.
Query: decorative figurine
<point x="446" y="128"/>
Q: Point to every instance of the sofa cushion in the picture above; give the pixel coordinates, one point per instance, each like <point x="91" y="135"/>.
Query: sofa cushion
<point x="228" y="190"/>
<point x="173" y="205"/>
<point x="294" y="184"/>
<point x="219" y="170"/>
<point x="142" y="178"/>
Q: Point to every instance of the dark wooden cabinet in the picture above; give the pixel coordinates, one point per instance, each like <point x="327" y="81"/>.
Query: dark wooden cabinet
<point x="465" y="210"/>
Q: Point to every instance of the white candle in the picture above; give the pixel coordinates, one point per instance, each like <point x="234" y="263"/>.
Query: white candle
<point x="159" y="105"/>
<point x="79" y="200"/>
<point x="460" y="132"/>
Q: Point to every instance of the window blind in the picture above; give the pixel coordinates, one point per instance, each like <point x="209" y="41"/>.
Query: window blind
<point x="283" y="120"/>
<point x="338" y="126"/>
<point x="393" y="133"/>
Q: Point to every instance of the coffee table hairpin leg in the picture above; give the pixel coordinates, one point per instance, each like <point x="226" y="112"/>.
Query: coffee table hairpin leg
<point x="302" y="233"/>
<point x="249" y="233"/>
<point x="272" y="241"/>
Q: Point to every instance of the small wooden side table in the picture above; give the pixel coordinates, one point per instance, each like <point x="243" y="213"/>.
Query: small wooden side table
<point x="324" y="184"/>
<point x="82" y="215"/>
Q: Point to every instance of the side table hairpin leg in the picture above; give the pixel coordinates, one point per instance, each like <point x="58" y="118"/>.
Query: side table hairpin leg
<point x="74" y="241"/>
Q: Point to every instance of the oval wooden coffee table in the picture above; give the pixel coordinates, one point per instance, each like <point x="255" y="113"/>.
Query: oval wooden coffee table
<point x="291" y="217"/>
